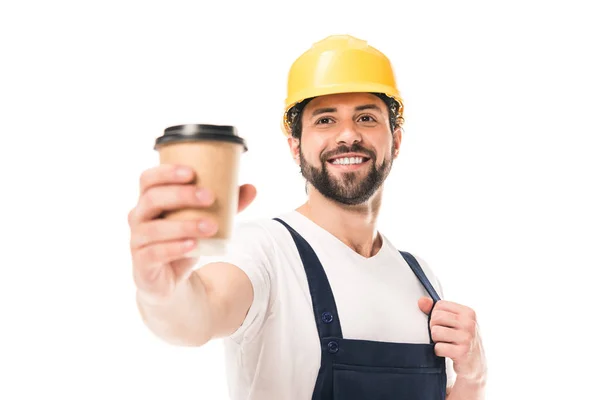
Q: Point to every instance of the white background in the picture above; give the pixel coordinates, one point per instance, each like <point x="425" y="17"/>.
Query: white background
<point x="496" y="185"/>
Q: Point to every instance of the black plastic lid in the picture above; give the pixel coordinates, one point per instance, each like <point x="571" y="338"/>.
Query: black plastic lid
<point x="194" y="132"/>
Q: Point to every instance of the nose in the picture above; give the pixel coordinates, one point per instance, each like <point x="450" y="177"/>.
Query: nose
<point x="348" y="134"/>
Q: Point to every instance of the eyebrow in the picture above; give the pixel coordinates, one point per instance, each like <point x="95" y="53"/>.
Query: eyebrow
<point x="358" y="108"/>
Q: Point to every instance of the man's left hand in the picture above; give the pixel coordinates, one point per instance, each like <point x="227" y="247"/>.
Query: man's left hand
<point x="455" y="332"/>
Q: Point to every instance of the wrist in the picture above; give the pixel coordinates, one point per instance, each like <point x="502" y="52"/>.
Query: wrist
<point x="475" y="380"/>
<point x="163" y="301"/>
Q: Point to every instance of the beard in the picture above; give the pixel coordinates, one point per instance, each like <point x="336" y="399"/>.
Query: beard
<point x="350" y="188"/>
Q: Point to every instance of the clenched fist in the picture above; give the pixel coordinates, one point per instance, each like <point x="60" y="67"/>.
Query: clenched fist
<point x="455" y="333"/>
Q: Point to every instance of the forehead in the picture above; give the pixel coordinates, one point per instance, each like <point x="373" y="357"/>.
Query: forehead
<point x="344" y="100"/>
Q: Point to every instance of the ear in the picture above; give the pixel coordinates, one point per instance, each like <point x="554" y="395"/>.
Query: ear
<point x="397" y="139"/>
<point x="294" y="144"/>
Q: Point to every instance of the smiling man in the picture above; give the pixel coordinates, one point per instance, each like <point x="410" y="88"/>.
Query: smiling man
<point x="348" y="173"/>
<point x="316" y="303"/>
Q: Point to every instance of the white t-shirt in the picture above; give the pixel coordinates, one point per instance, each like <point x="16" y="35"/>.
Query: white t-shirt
<point x="276" y="353"/>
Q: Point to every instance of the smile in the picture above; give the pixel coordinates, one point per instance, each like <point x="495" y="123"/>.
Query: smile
<point x="348" y="159"/>
<point x="350" y="162"/>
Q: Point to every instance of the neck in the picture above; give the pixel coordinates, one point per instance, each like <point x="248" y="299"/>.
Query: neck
<point x="353" y="225"/>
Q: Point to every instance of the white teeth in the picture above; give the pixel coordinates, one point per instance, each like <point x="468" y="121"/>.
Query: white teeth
<point x="348" y="160"/>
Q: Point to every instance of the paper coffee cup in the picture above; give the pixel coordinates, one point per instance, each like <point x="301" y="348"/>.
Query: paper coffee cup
<point x="214" y="152"/>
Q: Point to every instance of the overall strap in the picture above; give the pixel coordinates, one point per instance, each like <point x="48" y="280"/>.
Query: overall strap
<point x="418" y="271"/>
<point x="324" y="308"/>
<point x="414" y="265"/>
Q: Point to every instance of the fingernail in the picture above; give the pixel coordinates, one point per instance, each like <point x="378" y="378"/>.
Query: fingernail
<point x="205" y="226"/>
<point x="203" y="195"/>
<point x="183" y="172"/>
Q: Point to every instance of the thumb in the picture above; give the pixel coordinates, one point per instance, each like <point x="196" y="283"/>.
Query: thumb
<point x="246" y="196"/>
<point x="426" y="304"/>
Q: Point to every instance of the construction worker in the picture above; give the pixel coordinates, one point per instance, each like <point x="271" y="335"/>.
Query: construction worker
<point x="316" y="303"/>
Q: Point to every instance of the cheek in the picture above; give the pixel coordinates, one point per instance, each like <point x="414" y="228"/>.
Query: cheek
<point x="385" y="149"/>
<point x="312" y="146"/>
<point x="311" y="157"/>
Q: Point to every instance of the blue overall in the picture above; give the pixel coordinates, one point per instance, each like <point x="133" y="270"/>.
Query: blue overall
<point x="363" y="369"/>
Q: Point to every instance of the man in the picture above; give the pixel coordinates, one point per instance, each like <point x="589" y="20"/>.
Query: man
<point x="317" y="303"/>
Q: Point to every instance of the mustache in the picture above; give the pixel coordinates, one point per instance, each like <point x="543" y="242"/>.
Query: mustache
<point x="355" y="148"/>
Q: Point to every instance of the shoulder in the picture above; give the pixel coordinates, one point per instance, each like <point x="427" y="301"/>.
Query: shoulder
<point x="256" y="232"/>
<point x="255" y="249"/>
<point x="256" y="241"/>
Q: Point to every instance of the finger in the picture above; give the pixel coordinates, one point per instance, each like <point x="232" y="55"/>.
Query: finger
<point x="168" y="230"/>
<point x="445" y="318"/>
<point x="247" y="195"/>
<point x="161" y="253"/>
<point x="449" y="350"/>
<point x="425" y="304"/>
<point x="449" y="335"/>
<point x="165" y="174"/>
<point x="455" y="308"/>
<point x="159" y="199"/>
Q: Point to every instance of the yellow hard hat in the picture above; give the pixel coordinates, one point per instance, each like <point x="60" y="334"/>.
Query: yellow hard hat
<point x="339" y="64"/>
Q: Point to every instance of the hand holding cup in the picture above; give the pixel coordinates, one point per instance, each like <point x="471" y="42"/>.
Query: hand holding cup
<point x="186" y="205"/>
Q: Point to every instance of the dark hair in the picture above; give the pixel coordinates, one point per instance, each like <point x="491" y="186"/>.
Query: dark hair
<point x="293" y="117"/>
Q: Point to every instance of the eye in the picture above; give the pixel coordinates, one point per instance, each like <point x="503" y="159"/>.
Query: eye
<point x="324" y="120"/>
<point x="366" y="118"/>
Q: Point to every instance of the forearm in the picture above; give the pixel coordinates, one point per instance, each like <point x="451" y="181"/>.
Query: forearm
<point x="467" y="389"/>
<point x="184" y="318"/>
